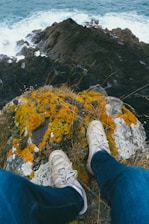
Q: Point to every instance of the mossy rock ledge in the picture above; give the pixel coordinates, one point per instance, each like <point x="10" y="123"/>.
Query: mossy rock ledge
<point x="52" y="118"/>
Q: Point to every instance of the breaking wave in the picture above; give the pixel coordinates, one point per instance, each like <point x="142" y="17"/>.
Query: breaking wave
<point x="11" y="33"/>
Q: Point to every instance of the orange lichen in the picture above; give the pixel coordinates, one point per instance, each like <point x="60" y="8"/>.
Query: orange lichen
<point x="111" y="142"/>
<point x="32" y="175"/>
<point x="68" y="114"/>
<point x="83" y="140"/>
<point x="9" y="153"/>
<point x="15" y="143"/>
<point x="28" y="117"/>
<point x="95" y="105"/>
<point x="74" y="222"/>
<point x="82" y="173"/>
<point x="58" y="129"/>
<point x="127" y="116"/>
<point x="26" y="153"/>
<point x="61" y="123"/>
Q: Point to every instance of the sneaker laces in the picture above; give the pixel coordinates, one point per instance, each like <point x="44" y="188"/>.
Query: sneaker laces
<point x="63" y="174"/>
<point x="100" y="141"/>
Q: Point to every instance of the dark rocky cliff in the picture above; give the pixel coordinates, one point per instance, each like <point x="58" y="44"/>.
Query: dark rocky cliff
<point x="81" y="57"/>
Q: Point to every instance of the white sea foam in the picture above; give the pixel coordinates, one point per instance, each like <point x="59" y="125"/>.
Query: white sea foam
<point x="10" y="34"/>
<point x="138" y="24"/>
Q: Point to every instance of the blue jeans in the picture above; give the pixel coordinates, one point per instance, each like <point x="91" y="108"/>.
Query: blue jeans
<point x="22" y="202"/>
<point x="125" y="188"/>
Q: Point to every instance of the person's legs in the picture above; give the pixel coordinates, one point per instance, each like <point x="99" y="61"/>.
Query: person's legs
<point x="125" y="188"/>
<point x="24" y="202"/>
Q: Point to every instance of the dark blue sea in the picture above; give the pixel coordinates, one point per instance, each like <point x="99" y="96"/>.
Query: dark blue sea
<point x="20" y="17"/>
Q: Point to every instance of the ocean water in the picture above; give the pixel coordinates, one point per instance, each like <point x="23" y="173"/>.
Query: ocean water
<point x="20" y="17"/>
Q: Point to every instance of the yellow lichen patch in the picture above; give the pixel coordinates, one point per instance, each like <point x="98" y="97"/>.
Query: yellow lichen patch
<point x="92" y="103"/>
<point x="61" y="123"/>
<point x="90" y="95"/>
<point x="28" y="117"/>
<point x="45" y="138"/>
<point x="109" y="126"/>
<point x="111" y="142"/>
<point x="67" y="112"/>
<point x="95" y="105"/>
<point x="67" y="116"/>
<point x="83" y="140"/>
<point x="15" y="143"/>
<point x="74" y="222"/>
<point x="46" y="102"/>
<point x="26" y="153"/>
<point x="127" y="116"/>
<point x="78" y="98"/>
<point x="90" y="100"/>
<point x="9" y="153"/>
<point x="58" y="130"/>
<point x="32" y="175"/>
<point x="87" y="119"/>
<point x="82" y="173"/>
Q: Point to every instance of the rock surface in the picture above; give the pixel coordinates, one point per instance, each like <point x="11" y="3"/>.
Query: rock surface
<point x="52" y="118"/>
<point x="49" y="117"/>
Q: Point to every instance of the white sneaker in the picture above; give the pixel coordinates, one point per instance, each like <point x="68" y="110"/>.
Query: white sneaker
<point x="97" y="141"/>
<point x="62" y="174"/>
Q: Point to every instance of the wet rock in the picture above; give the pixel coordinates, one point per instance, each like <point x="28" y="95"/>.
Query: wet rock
<point x="21" y="47"/>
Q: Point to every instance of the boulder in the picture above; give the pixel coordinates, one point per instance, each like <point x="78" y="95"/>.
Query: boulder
<point x="50" y="118"/>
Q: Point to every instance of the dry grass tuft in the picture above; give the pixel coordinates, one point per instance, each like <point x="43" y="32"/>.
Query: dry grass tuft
<point x="4" y="135"/>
